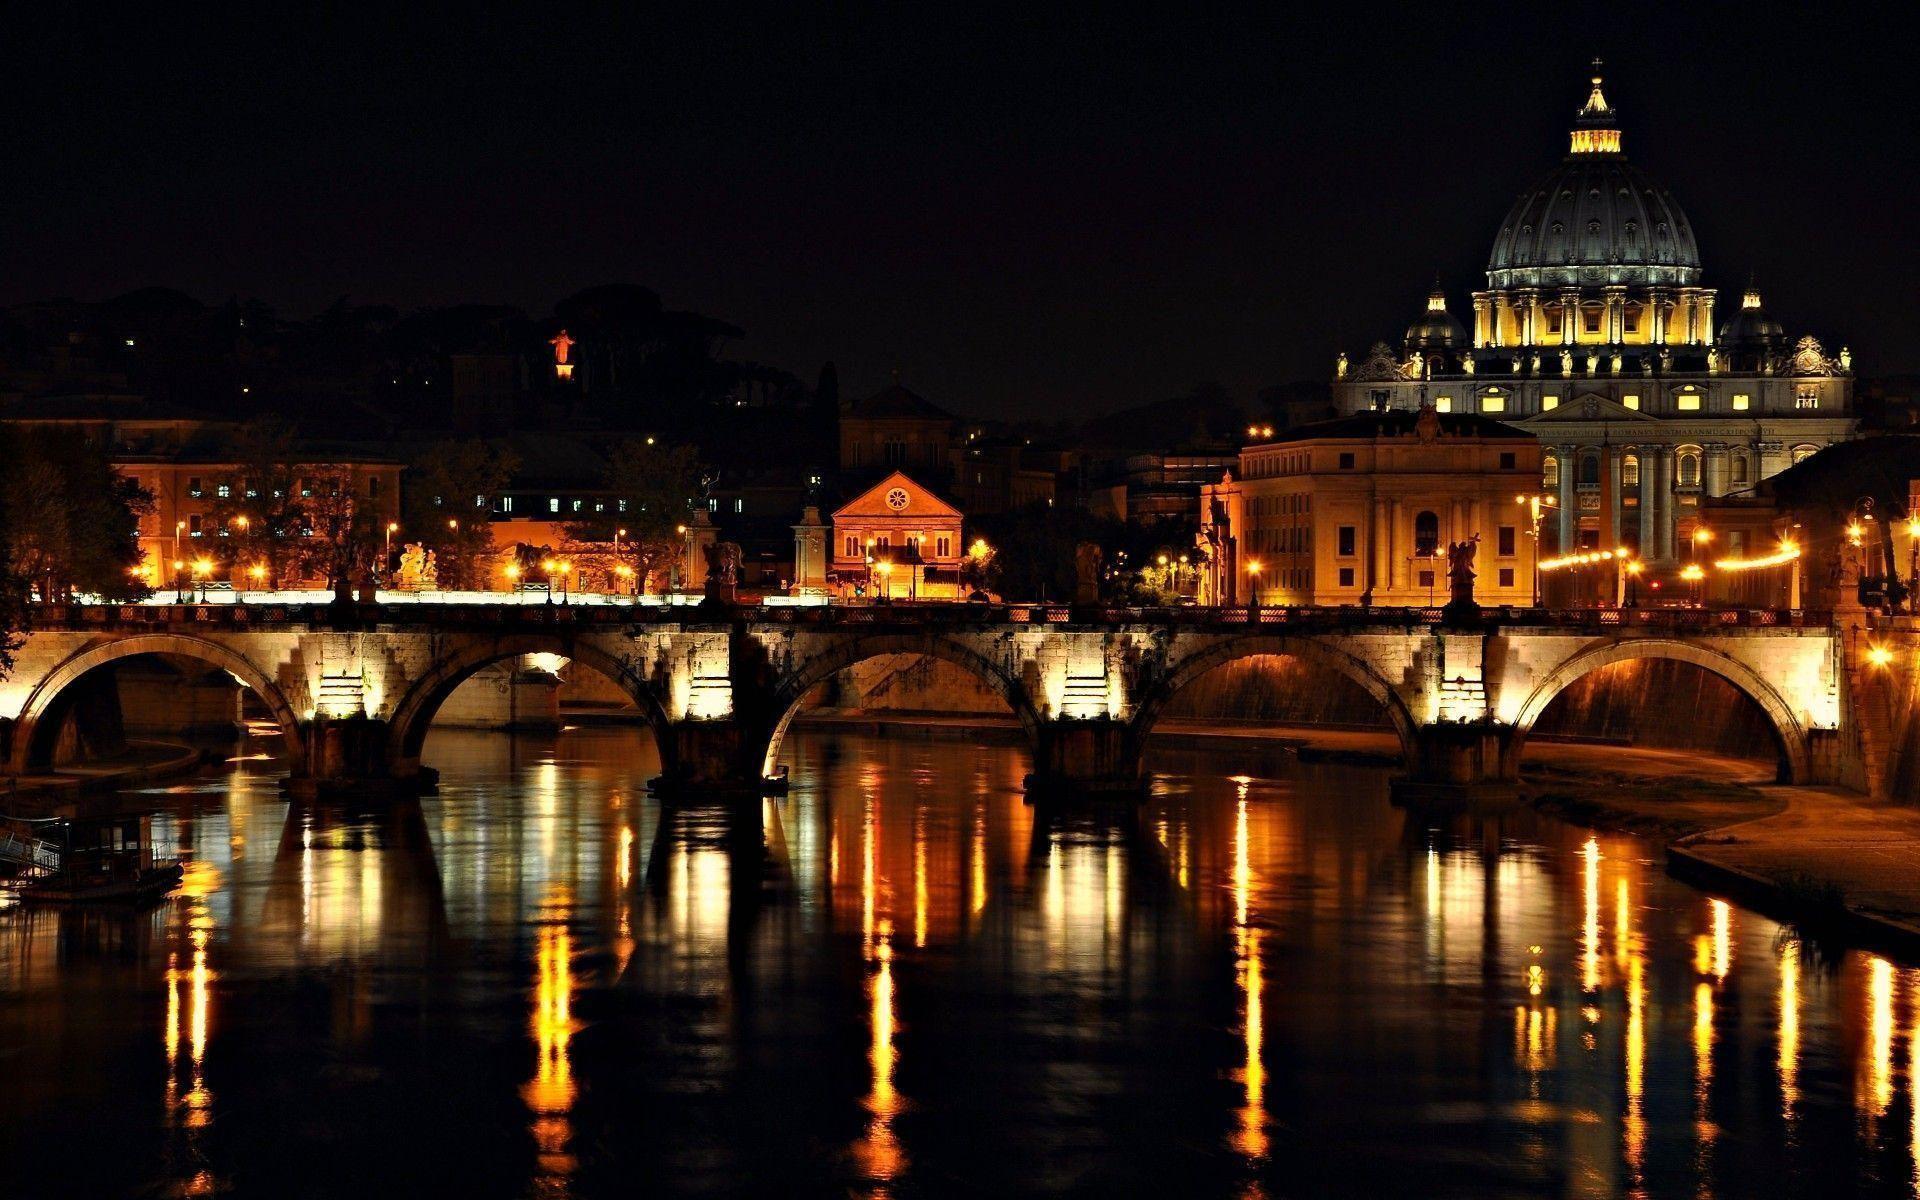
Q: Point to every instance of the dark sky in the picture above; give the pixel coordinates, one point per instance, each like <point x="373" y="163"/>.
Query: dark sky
<point x="1039" y="214"/>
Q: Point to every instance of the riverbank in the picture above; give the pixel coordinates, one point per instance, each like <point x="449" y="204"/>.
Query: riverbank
<point x="144" y="762"/>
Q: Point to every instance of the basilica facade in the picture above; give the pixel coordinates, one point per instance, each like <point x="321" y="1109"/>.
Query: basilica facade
<point x="1596" y="332"/>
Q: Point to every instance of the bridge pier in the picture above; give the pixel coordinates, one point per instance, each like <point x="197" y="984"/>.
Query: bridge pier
<point x="348" y="757"/>
<point x="707" y="760"/>
<point x="1098" y="758"/>
<point x="1460" y="763"/>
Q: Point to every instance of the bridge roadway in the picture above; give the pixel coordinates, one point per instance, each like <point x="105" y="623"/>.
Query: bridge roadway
<point x="355" y="688"/>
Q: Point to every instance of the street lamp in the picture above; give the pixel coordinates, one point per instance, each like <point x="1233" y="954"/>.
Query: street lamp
<point x="1535" y="502"/>
<point x="1633" y="570"/>
<point x="393" y="527"/>
<point x="886" y="578"/>
<point x="201" y="569"/>
<point x="1695" y="575"/>
<point x="257" y="572"/>
<point x="566" y="568"/>
<point x="1253" y="583"/>
<point x="179" y="582"/>
<point x="1698" y="542"/>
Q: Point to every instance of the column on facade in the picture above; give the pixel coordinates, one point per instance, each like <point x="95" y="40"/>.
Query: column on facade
<point x="1713" y="469"/>
<point x="1569" y="496"/>
<point x="1648" y="539"/>
<point x="1481" y="308"/>
<point x="1706" y="314"/>
<point x="1380" y="547"/>
<point x="1663" y="499"/>
<point x="1657" y="307"/>
<point x="1569" y="314"/>
<point x="1536" y="317"/>
<point x="1612" y="470"/>
<point x="1616" y="314"/>
<point x="1502" y="313"/>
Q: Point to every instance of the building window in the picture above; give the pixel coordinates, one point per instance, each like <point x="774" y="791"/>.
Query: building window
<point x="577" y="505"/>
<point x="1688" y="401"/>
<point x="223" y="490"/>
<point x="1803" y="453"/>
<point x="373" y="487"/>
<point x="1806" y="397"/>
<point x="1630" y="471"/>
<point x="853" y="546"/>
<point x="1591" y="319"/>
<point x="1426" y="579"/>
<point x="1737" y="469"/>
<point x="1381" y="399"/>
<point x="193" y="525"/>
<point x="1443" y="404"/>
<point x="1508" y="460"/>
<point x="1632" y="402"/>
<point x="1742" y="402"/>
<point x="1550" y="474"/>
<point x="739" y="504"/>
<point x="1346" y="577"/>
<point x="193" y="486"/>
<point x="1688" y="463"/>
<point x="1426" y="533"/>
<point x="1493" y="404"/>
<point x="506" y="504"/>
<point x="553" y="504"/>
<point x="1590" y="470"/>
<point x="1549" y="403"/>
<point x="942" y="547"/>
<point x="1346" y="462"/>
<point x="1506" y="577"/>
<point x="1346" y="541"/>
<point x="1506" y="541"/>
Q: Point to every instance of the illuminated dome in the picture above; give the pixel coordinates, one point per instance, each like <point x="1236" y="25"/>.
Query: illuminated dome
<point x="1436" y="329"/>
<point x="1595" y="219"/>
<point x="1751" y="326"/>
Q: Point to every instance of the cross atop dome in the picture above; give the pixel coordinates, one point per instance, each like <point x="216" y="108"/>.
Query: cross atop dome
<point x="1594" y="129"/>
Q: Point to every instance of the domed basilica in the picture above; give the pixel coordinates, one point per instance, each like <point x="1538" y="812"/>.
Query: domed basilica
<point x="1596" y="333"/>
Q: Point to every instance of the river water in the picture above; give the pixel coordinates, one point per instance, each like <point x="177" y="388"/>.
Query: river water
<point x="1270" y="982"/>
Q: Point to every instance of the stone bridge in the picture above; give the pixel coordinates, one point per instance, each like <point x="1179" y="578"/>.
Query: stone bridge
<point x="355" y="689"/>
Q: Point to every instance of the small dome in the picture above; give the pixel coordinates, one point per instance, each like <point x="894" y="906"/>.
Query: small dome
<point x="1750" y="326"/>
<point x="1594" y="219"/>
<point x="1436" y="329"/>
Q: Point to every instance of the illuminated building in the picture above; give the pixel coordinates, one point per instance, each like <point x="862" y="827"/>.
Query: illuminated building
<point x="1360" y="510"/>
<point x="1596" y="333"/>
<point x="898" y="540"/>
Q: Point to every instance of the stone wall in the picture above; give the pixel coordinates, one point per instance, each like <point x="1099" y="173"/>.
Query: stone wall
<point x="1665" y="703"/>
<point x="1278" y="690"/>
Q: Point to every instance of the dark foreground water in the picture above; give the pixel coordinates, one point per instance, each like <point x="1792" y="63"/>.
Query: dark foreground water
<point x="1272" y="983"/>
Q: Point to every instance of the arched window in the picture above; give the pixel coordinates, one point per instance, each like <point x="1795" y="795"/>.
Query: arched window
<point x="1803" y="453"/>
<point x="1737" y="470"/>
<point x="1426" y="533"/>
<point x="1589" y="468"/>
<point x="1630" y="471"/>
<point x="1686" y="466"/>
<point x="1550" y="474"/>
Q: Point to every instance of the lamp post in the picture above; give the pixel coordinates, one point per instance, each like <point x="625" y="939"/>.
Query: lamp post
<point x="1632" y="571"/>
<point x="1253" y="584"/>
<point x="566" y="569"/>
<point x="886" y="578"/>
<point x="1696" y="545"/>
<point x="393" y="527"/>
<point x="179" y="581"/>
<point x="617" y="535"/>
<point x="202" y="568"/>
<point x="512" y="572"/>
<point x="179" y="527"/>
<point x="257" y="572"/>
<point x="1535" y="502"/>
<point x="547" y="566"/>
<point x="1695" y="575"/>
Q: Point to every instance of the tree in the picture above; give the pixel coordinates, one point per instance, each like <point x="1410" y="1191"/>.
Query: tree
<point x="451" y="490"/>
<point x="650" y="490"/>
<point x="342" y="538"/>
<point x="71" y="521"/>
<point x="1035" y="549"/>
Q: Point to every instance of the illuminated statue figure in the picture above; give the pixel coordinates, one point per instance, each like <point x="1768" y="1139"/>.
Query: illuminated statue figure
<point x="1460" y="577"/>
<point x="413" y="564"/>
<point x="1087" y="559"/>
<point x="430" y="573"/>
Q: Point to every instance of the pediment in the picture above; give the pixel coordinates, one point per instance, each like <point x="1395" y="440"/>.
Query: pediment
<point x="1588" y="406"/>
<point x="920" y="502"/>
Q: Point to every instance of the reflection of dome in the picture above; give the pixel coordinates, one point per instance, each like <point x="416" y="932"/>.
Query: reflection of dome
<point x="1436" y="329"/>
<point x="1751" y="327"/>
<point x="1594" y="219"/>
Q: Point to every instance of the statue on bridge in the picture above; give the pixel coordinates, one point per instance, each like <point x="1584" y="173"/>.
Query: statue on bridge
<point x="1087" y="560"/>
<point x="418" y="570"/>
<point x="723" y="571"/>
<point x="1460" y="577"/>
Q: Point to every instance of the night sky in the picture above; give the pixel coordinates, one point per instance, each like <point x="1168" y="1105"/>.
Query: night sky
<point x="1049" y="214"/>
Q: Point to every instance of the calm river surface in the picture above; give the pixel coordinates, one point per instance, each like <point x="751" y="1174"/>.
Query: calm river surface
<point x="1272" y="983"/>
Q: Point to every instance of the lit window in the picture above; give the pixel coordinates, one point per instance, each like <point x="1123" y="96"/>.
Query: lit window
<point x="1443" y="404"/>
<point x="553" y="504"/>
<point x="1806" y="397"/>
<point x="576" y="505"/>
<point x="739" y="505"/>
<point x="1742" y="402"/>
<point x="1632" y="402"/>
<point x="224" y="491"/>
<point x="1493" y="404"/>
<point x="620" y="506"/>
<point x="1689" y="402"/>
<point x="1549" y="403"/>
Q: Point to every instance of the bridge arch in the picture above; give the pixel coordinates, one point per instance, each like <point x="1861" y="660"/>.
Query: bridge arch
<point x="414" y="712"/>
<point x="844" y="652"/>
<point x="1792" y="736"/>
<point x="42" y="713"/>
<point x="1307" y="649"/>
